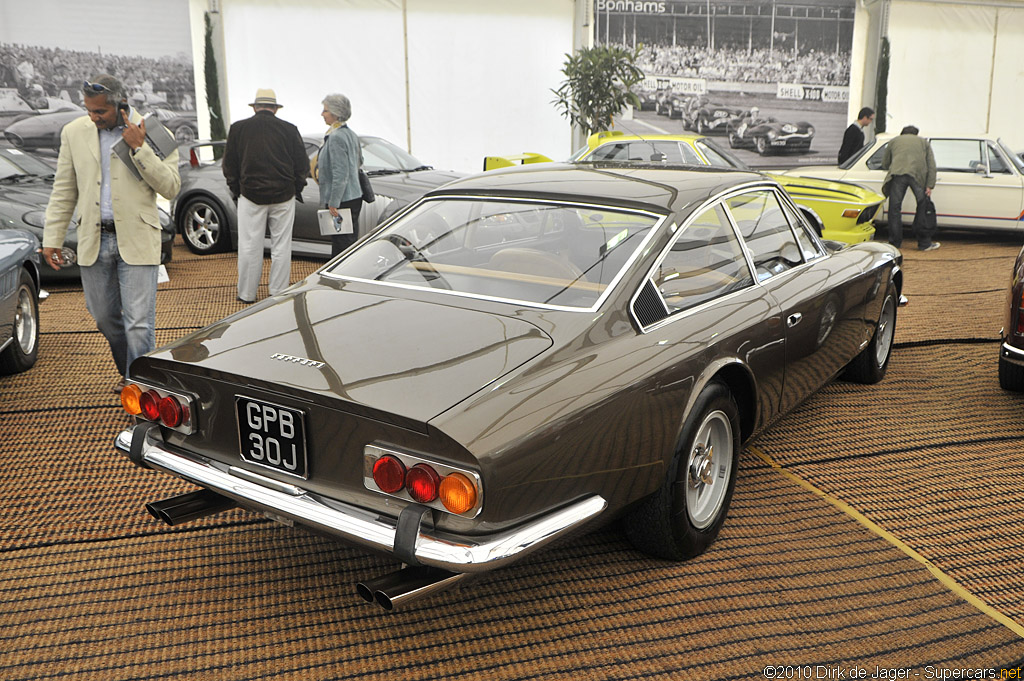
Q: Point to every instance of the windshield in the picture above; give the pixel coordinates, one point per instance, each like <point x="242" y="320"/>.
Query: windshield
<point x="16" y="162"/>
<point x="1015" y="158"/>
<point x="547" y="254"/>
<point x="719" y="157"/>
<point x="381" y="155"/>
<point x="848" y="163"/>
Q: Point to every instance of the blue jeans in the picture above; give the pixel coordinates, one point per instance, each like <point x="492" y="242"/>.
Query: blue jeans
<point x="897" y="190"/>
<point x="122" y="300"/>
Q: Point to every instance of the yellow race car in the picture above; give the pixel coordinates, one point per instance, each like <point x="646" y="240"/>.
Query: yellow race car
<point x="838" y="211"/>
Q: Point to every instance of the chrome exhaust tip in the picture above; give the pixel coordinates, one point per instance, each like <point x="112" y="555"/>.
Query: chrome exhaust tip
<point x="191" y="506"/>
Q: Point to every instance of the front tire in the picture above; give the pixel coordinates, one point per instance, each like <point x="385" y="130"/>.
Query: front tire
<point x="203" y="226"/>
<point x="761" y="146"/>
<point x="684" y="516"/>
<point x="21" y="354"/>
<point x="873" y="361"/>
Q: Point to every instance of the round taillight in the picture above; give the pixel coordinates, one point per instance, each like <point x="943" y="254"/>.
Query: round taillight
<point x="130" y="395"/>
<point x="458" y="493"/>
<point x="170" y="412"/>
<point x="389" y="474"/>
<point x="422" y="482"/>
<point x="148" y="405"/>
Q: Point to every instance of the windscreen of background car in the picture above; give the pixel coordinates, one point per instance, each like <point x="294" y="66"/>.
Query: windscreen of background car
<point x="16" y="162"/>
<point x="380" y="155"/>
<point x="544" y="254"/>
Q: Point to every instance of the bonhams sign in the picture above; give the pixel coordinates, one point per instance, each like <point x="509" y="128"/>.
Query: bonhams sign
<point x="634" y="6"/>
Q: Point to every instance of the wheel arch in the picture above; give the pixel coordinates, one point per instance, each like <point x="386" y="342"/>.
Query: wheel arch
<point x="739" y="380"/>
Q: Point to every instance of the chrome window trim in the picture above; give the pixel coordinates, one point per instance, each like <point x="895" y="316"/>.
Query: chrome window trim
<point x="709" y="203"/>
<point x="659" y="220"/>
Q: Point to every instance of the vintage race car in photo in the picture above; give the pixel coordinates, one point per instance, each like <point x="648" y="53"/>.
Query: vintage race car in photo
<point x="207" y="219"/>
<point x="770" y="135"/>
<point x="19" y="301"/>
<point x="14" y="107"/>
<point x="979" y="183"/>
<point x="25" y="186"/>
<point x="838" y="211"/>
<point x="39" y="133"/>
<point x="709" y="118"/>
<point x="518" y="356"/>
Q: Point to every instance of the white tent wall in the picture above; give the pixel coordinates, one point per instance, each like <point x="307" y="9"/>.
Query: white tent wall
<point x="954" y="67"/>
<point x="479" y="71"/>
<point x="481" y="74"/>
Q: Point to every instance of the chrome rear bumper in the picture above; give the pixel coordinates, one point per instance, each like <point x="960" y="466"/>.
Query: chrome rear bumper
<point x="359" y="526"/>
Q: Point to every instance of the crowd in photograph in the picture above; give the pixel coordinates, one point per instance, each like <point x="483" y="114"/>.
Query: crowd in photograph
<point x="54" y="72"/>
<point x="758" y="65"/>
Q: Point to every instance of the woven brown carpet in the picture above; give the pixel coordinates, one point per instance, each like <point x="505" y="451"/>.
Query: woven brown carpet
<point x="91" y="587"/>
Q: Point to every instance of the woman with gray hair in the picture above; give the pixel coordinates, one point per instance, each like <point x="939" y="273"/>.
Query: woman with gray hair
<point x="338" y="167"/>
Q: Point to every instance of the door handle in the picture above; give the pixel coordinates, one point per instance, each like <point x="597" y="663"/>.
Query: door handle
<point x="793" y="319"/>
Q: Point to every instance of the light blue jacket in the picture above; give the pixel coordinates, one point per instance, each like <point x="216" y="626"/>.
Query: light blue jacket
<point x="338" y="164"/>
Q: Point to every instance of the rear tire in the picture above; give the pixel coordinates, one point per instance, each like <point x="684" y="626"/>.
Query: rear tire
<point x="203" y="226"/>
<point x="21" y="354"/>
<point x="873" y="361"/>
<point x="683" y="517"/>
<point x="1011" y="376"/>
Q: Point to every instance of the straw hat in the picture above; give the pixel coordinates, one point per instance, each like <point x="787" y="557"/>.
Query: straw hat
<point x="266" y="97"/>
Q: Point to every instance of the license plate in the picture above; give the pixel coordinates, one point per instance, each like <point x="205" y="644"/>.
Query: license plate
<point x="271" y="435"/>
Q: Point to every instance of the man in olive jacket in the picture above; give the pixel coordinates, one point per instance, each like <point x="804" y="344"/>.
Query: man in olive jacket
<point x="119" y="233"/>
<point x="911" y="163"/>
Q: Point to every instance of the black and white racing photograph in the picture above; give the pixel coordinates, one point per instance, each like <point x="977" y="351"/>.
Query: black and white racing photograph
<point x="48" y="48"/>
<point x="511" y="340"/>
<point x="770" y="79"/>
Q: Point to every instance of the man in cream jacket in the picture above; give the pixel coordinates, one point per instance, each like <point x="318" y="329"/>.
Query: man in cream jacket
<point x="119" y="225"/>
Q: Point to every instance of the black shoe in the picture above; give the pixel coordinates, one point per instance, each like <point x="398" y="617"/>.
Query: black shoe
<point x="930" y="247"/>
<point x="243" y="300"/>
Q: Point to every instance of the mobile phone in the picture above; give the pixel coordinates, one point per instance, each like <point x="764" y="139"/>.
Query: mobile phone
<point x="123" y="107"/>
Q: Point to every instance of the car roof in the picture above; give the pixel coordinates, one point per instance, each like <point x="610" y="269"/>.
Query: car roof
<point x="650" y="187"/>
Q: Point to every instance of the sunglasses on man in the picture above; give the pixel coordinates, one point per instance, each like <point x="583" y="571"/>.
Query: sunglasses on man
<point x="95" y="87"/>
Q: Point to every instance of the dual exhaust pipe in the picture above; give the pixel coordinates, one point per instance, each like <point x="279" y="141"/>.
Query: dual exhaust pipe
<point x="390" y="592"/>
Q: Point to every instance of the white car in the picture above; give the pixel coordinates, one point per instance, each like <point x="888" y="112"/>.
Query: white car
<point x="980" y="181"/>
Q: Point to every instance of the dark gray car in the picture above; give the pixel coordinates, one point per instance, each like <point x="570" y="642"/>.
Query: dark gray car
<point x="206" y="216"/>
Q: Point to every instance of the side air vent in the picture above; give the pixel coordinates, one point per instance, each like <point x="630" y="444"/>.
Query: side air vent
<point x="649" y="308"/>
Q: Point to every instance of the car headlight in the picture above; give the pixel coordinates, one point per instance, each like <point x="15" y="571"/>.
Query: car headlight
<point x="810" y="129"/>
<point x="772" y="134"/>
<point x="36" y="218"/>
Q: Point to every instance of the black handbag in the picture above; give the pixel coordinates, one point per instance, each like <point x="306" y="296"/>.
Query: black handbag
<point x="366" y="187"/>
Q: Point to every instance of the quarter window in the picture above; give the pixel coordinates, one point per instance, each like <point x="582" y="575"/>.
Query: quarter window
<point x="705" y="262"/>
<point x="766" y="231"/>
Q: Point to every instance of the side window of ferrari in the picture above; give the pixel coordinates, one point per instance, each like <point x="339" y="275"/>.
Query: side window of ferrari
<point x="705" y="261"/>
<point x="766" y="232"/>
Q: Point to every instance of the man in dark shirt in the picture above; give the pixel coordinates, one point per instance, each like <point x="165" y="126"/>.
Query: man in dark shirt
<point x="853" y="140"/>
<point x="265" y="165"/>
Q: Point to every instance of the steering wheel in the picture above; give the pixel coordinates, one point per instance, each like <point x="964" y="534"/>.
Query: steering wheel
<point x="414" y="254"/>
<point x="408" y="248"/>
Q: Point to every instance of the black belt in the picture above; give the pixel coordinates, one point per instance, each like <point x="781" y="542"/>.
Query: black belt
<point x="107" y="226"/>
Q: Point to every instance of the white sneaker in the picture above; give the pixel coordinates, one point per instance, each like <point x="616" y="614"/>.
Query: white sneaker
<point x="934" y="245"/>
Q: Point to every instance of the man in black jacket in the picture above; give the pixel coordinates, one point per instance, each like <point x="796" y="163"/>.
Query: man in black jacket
<point x="853" y="140"/>
<point x="266" y="166"/>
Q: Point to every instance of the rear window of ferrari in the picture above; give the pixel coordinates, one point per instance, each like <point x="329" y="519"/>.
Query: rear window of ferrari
<point x="544" y="254"/>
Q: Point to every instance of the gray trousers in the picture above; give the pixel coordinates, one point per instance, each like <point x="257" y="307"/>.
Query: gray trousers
<point x="253" y="222"/>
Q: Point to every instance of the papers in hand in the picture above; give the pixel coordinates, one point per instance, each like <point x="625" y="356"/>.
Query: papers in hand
<point x="330" y="225"/>
<point x="158" y="138"/>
